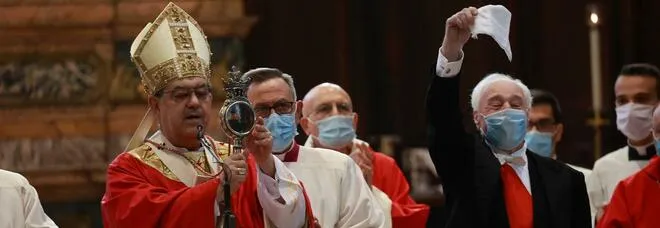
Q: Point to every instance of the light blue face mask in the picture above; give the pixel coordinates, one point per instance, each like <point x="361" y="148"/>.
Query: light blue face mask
<point x="506" y="129"/>
<point x="283" y="129"/>
<point x="539" y="143"/>
<point x="657" y="147"/>
<point x="336" y="131"/>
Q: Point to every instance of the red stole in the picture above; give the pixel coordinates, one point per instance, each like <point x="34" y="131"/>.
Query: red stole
<point x="517" y="199"/>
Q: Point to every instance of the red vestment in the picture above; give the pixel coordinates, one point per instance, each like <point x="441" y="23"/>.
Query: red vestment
<point x="636" y="200"/>
<point x="388" y="178"/>
<point x="142" y="192"/>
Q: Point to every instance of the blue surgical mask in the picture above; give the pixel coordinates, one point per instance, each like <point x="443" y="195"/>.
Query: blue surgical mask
<point x="283" y="129"/>
<point x="336" y="131"/>
<point x="657" y="147"/>
<point x="539" y="143"/>
<point x="506" y="129"/>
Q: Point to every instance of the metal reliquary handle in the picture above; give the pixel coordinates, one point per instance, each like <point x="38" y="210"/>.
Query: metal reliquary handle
<point x="237" y="119"/>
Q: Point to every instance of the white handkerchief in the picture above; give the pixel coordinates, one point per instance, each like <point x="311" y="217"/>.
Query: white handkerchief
<point x="494" y="20"/>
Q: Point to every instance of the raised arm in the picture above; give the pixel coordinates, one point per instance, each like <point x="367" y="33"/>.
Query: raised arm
<point x="450" y="146"/>
<point x="280" y="193"/>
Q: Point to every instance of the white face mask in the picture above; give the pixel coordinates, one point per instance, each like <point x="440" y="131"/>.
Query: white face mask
<point x="634" y="120"/>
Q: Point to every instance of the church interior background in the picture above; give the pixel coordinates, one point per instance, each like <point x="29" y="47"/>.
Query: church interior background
<point x="70" y="98"/>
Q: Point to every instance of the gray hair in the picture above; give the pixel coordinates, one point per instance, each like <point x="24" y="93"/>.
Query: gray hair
<point x="259" y="75"/>
<point x="481" y="87"/>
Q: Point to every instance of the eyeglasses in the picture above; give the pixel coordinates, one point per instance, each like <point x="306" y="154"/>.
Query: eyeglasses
<point x="181" y="94"/>
<point x="281" y="107"/>
<point x="543" y="125"/>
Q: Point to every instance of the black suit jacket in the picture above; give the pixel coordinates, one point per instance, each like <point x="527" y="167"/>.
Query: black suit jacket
<point x="471" y="173"/>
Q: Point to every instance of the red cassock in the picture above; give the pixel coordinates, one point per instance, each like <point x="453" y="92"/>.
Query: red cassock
<point x="636" y="200"/>
<point x="142" y="192"/>
<point x="388" y="178"/>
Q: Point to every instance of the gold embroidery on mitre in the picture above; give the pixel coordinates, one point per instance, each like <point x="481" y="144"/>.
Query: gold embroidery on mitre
<point x="147" y="156"/>
<point x="186" y="63"/>
<point x="174" y="69"/>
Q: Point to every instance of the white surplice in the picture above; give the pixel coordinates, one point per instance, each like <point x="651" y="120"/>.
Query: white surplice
<point x="284" y="185"/>
<point x="337" y="190"/>
<point x="19" y="203"/>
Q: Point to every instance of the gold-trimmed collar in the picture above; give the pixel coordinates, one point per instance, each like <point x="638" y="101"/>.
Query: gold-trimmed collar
<point x="146" y="154"/>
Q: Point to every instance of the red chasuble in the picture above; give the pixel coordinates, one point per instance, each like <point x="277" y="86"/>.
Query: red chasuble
<point x="388" y="178"/>
<point x="142" y="192"/>
<point x="636" y="200"/>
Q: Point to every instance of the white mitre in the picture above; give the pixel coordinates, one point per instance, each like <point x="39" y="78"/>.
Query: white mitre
<point x="170" y="48"/>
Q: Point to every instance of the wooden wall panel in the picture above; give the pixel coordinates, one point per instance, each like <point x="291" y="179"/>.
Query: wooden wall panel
<point x="62" y="146"/>
<point x="125" y="18"/>
<point x="75" y="15"/>
<point x="58" y="122"/>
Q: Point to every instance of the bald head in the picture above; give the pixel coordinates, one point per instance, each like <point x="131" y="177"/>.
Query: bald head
<point x="322" y="102"/>
<point x="326" y="95"/>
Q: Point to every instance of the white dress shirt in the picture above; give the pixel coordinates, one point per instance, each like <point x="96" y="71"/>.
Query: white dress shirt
<point x="444" y="68"/>
<point x="521" y="169"/>
<point x="19" y="203"/>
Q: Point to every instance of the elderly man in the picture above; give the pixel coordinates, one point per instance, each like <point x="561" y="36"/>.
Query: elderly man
<point x="174" y="178"/>
<point x="20" y="203"/>
<point x="330" y="122"/>
<point x="636" y="91"/>
<point x="339" y="196"/>
<point x="636" y="199"/>
<point x="491" y="179"/>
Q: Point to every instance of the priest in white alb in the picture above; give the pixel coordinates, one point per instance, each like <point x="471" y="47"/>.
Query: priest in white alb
<point x="636" y="94"/>
<point x="330" y="122"/>
<point x="339" y="195"/>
